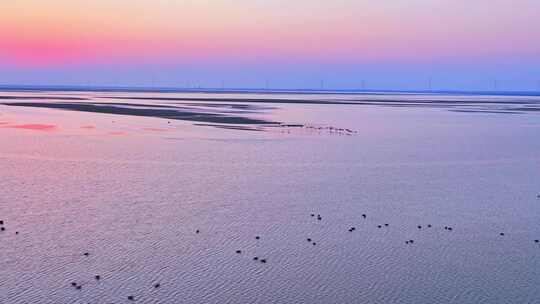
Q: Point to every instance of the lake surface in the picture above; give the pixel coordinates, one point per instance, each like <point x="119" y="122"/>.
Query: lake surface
<point x="129" y="178"/>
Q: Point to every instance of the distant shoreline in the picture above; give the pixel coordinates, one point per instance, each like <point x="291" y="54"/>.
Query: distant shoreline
<point x="142" y="89"/>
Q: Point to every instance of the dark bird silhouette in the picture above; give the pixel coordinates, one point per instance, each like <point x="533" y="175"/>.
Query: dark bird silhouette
<point x="257" y="237"/>
<point x="98" y="277"/>
<point x="157" y="285"/>
<point x="501" y="234"/>
<point x="131" y="298"/>
<point x="364" y="216"/>
<point x="238" y="251"/>
<point x="86" y="254"/>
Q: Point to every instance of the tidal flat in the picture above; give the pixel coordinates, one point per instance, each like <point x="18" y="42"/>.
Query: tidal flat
<point x="209" y="197"/>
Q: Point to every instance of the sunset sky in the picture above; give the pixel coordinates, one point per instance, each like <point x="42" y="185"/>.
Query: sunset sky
<point x="390" y="44"/>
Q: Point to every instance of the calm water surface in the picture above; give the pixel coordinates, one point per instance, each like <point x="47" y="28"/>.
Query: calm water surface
<point x="132" y="190"/>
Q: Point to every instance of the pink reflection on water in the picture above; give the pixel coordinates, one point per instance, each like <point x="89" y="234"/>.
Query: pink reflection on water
<point x="34" y="127"/>
<point x="117" y="133"/>
<point x="88" y="127"/>
<point x="155" y="129"/>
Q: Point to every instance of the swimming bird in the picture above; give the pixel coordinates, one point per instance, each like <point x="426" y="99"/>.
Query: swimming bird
<point x="429" y="226"/>
<point x="257" y="237"/>
<point x="501" y="234"/>
<point x="157" y="285"/>
<point x="238" y="251"/>
<point x="364" y="216"/>
<point x="73" y="284"/>
<point x="86" y="254"/>
<point x="419" y="227"/>
<point x="197" y="231"/>
<point x="1" y="222"/>
<point x="78" y="287"/>
<point x="379" y="226"/>
<point x="98" y="277"/>
<point x="309" y="240"/>
<point x="313" y="215"/>
<point x="255" y="258"/>
<point x="411" y="241"/>
<point x="537" y="241"/>
<point x="386" y="225"/>
<point x="131" y="298"/>
<point x="3" y="229"/>
<point x="314" y="243"/>
<point x="263" y="261"/>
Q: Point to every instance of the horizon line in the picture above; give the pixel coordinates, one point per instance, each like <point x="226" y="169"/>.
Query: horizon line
<point x="170" y="89"/>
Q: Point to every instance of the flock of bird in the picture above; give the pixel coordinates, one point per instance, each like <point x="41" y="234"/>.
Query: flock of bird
<point x="318" y="217"/>
<point x="319" y="129"/>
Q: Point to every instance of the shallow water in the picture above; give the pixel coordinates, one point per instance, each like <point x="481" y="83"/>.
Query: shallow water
<point x="132" y="191"/>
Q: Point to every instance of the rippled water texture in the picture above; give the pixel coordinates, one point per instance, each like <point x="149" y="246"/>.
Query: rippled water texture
<point x="130" y="178"/>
